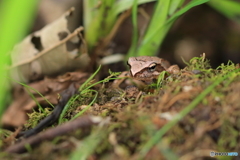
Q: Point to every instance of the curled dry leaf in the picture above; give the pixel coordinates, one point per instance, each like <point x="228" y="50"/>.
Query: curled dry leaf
<point x="55" y="49"/>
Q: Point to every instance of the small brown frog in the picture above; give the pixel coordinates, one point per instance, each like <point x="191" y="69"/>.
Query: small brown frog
<point x="147" y="68"/>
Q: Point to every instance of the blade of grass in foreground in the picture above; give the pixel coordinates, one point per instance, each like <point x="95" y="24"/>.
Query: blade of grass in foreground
<point x="157" y="137"/>
<point x="89" y="144"/>
<point x="15" y="18"/>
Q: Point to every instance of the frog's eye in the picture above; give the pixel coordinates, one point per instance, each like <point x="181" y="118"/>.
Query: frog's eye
<point x="152" y="67"/>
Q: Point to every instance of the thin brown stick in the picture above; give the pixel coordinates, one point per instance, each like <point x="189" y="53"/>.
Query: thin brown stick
<point x="82" y="122"/>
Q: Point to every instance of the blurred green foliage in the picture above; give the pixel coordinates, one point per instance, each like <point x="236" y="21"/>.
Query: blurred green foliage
<point x="230" y="9"/>
<point x="165" y="14"/>
<point x="100" y="16"/>
<point x="15" y="18"/>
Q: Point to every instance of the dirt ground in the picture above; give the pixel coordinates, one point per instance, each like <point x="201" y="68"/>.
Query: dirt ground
<point x="184" y="116"/>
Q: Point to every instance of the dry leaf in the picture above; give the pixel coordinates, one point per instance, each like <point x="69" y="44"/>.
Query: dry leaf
<point x="15" y="114"/>
<point x="51" y="51"/>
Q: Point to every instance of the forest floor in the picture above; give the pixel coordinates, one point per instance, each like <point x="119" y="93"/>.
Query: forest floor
<point x="184" y="116"/>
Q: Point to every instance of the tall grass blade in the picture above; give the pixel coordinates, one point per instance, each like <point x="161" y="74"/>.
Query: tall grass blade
<point x="158" y="20"/>
<point x="174" y="5"/>
<point x="133" y="48"/>
<point x="89" y="10"/>
<point x="99" y="20"/>
<point x="158" y="29"/>
<point x="123" y="5"/>
<point x="230" y="9"/>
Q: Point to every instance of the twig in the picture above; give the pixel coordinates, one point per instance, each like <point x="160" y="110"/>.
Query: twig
<point x="82" y="122"/>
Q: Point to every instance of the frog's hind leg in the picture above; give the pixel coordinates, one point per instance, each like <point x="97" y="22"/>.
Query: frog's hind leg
<point x="116" y="83"/>
<point x="174" y="69"/>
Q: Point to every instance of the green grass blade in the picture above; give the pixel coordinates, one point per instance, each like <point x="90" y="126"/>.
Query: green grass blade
<point x="69" y="103"/>
<point x="30" y="88"/>
<point x="133" y="48"/>
<point x="174" y="4"/>
<point x="35" y="100"/>
<point x="190" y="5"/>
<point x="100" y="16"/>
<point x="167" y="152"/>
<point x="123" y="5"/>
<point x="82" y="87"/>
<point x="230" y="9"/>
<point x="85" y="109"/>
<point x="15" y="18"/>
<point x="157" y="32"/>
<point x="158" y="20"/>
<point x="89" y="10"/>
<point x="102" y="81"/>
<point x="161" y="77"/>
<point x="89" y="145"/>
<point x="160" y="15"/>
<point x="100" y="23"/>
<point x="157" y="137"/>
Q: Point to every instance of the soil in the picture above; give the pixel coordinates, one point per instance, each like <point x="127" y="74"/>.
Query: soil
<point x="184" y="116"/>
